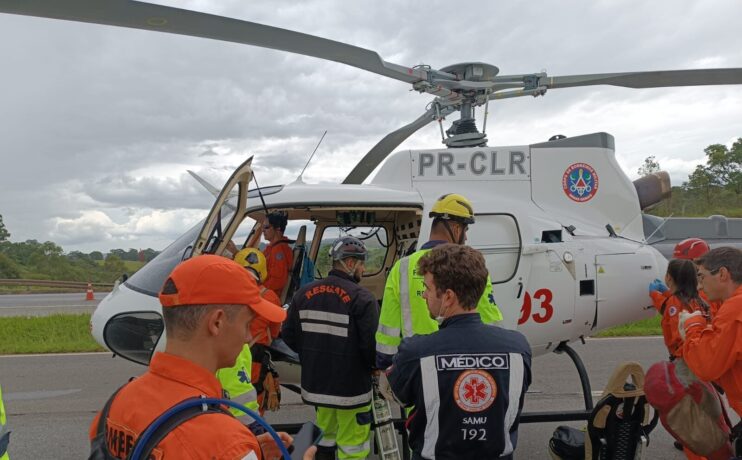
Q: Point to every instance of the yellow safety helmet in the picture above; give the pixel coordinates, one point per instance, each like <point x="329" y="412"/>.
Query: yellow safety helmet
<point x="453" y="206"/>
<point x="254" y="259"/>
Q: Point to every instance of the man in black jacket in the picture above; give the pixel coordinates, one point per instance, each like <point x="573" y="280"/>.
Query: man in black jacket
<point x="467" y="381"/>
<point x="331" y="324"/>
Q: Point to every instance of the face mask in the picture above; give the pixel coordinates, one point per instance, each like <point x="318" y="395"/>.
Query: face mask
<point x="440" y="318"/>
<point x="355" y="273"/>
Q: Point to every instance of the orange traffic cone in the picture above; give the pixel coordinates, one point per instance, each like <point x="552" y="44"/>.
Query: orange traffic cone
<point x="89" y="295"/>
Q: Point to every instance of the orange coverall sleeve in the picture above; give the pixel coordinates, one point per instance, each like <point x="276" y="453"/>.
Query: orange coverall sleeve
<point x="712" y="351"/>
<point x="658" y="298"/>
<point x="669" y="321"/>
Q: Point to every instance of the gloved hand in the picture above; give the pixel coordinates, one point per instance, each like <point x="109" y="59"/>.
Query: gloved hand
<point x="685" y="316"/>
<point x="657" y="285"/>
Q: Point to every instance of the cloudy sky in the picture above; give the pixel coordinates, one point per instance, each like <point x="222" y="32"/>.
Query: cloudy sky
<point x="98" y="125"/>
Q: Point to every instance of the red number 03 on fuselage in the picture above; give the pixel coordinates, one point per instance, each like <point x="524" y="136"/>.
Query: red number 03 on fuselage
<point x="537" y="307"/>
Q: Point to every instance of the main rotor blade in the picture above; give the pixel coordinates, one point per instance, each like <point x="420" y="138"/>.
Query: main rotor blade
<point x="384" y="147"/>
<point x="655" y="79"/>
<point x="147" y="16"/>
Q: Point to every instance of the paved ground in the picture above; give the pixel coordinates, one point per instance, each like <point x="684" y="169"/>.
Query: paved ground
<point x="52" y="398"/>
<point x="46" y="304"/>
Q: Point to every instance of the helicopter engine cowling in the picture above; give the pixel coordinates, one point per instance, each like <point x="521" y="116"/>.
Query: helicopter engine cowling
<point x="653" y="188"/>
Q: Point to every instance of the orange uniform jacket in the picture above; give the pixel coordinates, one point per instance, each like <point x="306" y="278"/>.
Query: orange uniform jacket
<point x="262" y="330"/>
<point x="670" y="313"/>
<point x="715" y="353"/>
<point x="279" y="260"/>
<point x="169" y="380"/>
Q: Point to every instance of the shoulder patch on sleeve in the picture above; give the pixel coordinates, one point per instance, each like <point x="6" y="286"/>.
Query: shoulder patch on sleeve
<point x="672" y="311"/>
<point x="279" y="256"/>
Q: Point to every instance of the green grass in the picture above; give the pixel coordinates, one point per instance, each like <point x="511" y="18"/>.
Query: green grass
<point x="46" y="334"/>
<point x="649" y="326"/>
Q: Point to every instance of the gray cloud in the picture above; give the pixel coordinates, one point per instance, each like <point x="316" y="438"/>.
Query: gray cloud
<point x="99" y="124"/>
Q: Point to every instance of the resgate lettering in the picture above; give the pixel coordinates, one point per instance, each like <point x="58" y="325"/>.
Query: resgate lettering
<point x="476" y="361"/>
<point x="326" y="289"/>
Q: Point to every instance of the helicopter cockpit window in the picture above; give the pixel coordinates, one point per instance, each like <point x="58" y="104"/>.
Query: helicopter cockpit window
<point x="375" y="239"/>
<point x="148" y="280"/>
<point x="134" y="335"/>
<point x="497" y="236"/>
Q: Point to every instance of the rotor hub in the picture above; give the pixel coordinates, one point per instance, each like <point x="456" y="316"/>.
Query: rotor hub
<point x="472" y="71"/>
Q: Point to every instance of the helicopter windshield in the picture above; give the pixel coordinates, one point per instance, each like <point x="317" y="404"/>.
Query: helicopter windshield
<point x="148" y="280"/>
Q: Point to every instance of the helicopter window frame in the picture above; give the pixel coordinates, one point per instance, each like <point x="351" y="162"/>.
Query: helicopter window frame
<point x="373" y="234"/>
<point x="520" y="243"/>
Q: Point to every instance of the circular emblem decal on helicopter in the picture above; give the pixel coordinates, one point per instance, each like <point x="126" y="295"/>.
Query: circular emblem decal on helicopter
<point x="580" y="182"/>
<point x="474" y="390"/>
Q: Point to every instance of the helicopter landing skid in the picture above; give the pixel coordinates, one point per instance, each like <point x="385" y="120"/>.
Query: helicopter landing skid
<point x="564" y="416"/>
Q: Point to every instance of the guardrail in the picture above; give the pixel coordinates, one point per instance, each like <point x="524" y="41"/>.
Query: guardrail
<point x="54" y="284"/>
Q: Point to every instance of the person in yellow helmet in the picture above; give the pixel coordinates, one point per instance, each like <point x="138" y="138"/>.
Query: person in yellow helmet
<point x="404" y="312"/>
<point x="243" y="381"/>
<point x="4" y="433"/>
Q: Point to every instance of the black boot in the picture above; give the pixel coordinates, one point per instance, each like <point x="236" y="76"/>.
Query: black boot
<point x="325" y="453"/>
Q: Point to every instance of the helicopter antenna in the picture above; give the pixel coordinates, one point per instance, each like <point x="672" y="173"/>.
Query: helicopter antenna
<point x="298" y="179"/>
<point x="658" y="228"/>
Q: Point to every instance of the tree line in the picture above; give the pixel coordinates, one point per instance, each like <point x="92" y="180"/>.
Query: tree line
<point x="714" y="187"/>
<point x="35" y="260"/>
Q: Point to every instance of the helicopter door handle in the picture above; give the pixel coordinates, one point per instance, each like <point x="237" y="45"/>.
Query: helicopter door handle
<point x="520" y="289"/>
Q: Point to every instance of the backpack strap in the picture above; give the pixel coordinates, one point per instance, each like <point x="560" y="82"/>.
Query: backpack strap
<point x="172" y="423"/>
<point x="99" y="446"/>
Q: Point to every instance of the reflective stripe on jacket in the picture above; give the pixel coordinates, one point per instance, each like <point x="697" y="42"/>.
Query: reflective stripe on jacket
<point x="404" y="312"/>
<point x="331" y="325"/>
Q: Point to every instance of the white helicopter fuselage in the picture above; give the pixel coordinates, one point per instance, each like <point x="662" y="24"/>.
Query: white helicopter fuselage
<point x="559" y="224"/>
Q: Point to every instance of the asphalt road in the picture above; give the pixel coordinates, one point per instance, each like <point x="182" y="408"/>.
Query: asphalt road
<point x="51" y="399"/>
<point x="47" y="304"/>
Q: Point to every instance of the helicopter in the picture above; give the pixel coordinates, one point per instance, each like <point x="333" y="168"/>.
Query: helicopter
<point x="559" y="223"/>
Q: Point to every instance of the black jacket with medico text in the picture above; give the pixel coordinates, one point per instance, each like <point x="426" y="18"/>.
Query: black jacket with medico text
<point x="467" y="382"/>
<point x="331" y="324"/>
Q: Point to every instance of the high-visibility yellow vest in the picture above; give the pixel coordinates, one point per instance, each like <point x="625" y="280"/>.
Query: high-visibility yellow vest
<point x="3" y="430"/>
<point x="404" y="312"/>
<point x="236" y="381"/>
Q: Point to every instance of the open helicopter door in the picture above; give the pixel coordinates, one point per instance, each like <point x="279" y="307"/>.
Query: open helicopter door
<point x="226" y="215"/>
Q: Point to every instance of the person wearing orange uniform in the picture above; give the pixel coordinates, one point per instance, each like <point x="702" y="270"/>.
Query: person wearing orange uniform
<point x="207" y="302"/>
<point x="692" y="249"/>
<point x="714" y="353"/>
<point x="278" y="253"/>
<point x="678" y="293"/>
